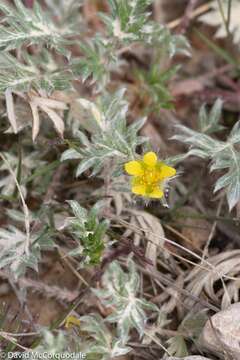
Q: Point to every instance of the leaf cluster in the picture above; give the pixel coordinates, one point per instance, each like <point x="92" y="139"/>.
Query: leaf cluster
<point x="127" y="24"/>
<point x="113" y="138"/>
<point x="23" y="26"/>
<point x="14" y="253"/>
<point x="33" y="73"/>
<point x="120" y="293"/>
<point x="102" y="343"/>
<point x="89" y="232"/>
<point x="224" y="156"/>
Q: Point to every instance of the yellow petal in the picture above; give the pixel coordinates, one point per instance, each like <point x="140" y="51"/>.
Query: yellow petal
<point x="164" y="171"/>
<point x="133" y="168"/>
<point x="136" y="180"/>
<point x="139" y="189"/>
<point x="157" y="193"/>
<point x="150" y="159"/>
<point x="71" y="321"/>
<point x="167" y="171"/>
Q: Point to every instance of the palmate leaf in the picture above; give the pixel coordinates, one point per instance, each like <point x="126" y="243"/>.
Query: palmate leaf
<point x="201" y="145"/>
<point x="120" y="292"/>
<point x="229" y="158"/>
<point x="209" y="122"/>
<point x="103" y="343"/>
<point x="13" y="252"/>
<point x="51" y="344"/>
<point x="35" y="72"/>
<point x="223" y="155"/>
<point x="98" y="60"/>
<point x="177" y="346"/>
<point x="127" y="18"/>
<point x="231" y="181"/>
<point x="29" y="26"/>
<point x="113" y="138"/>
<point x="129" y="22"/>
<point x="15" y="75"/>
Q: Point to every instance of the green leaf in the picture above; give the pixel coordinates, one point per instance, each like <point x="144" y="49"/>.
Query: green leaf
<point x="78" y="210"/>
<point x="85" y="165"/>
<point x="177" y="346"/>
<point x="113" y="140"/>
<point x="209" y="123"/>
<point x="19" y="76"/>
<point x="24" y="26"/>
<point x="120" y="292"/>
<point x="13" y="252"/>
<point x="103" y="343"/>
<point x="224" y="155"/>
<point x="89" y="232"/>
<point x="70" y="154"/>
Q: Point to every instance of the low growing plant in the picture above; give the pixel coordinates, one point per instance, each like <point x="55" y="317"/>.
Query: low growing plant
<point x="76" y="188"/>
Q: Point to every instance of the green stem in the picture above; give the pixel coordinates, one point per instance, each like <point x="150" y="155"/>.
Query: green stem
<point x="226" y="24"/>
<point x="218" y="50"/>
<point x="229" y="13"/>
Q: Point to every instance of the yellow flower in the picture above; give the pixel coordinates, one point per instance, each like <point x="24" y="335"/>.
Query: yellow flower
<point x="149" y="175"/>
<point x="71" y="321"/>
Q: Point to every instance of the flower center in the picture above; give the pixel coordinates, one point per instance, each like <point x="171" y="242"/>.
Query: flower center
<point x="150" y="179"/>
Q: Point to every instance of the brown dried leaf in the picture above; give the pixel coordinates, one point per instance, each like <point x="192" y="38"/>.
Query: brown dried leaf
<point x="188" y="87"/>
<point x="195" y="229"/>
<point x="36" y="121"/>
<point x="56" y="119"/>
<point x="221" y="334"/>
<point x="10" y="110"/>
<point x="203" y="279"/>
<point x="49" y="106"/>
<point x="154" y="232"/>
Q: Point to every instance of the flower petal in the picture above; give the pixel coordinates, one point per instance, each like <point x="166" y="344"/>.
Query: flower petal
<point x="137" y="180"/>
<point x="139" y="189"/>
<point x="157" y="193"/>
<point x="150" y="159"/>
<point x="133" y="168"/>
<point x="71" y="321"/>
<point x="166" y="171"/>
